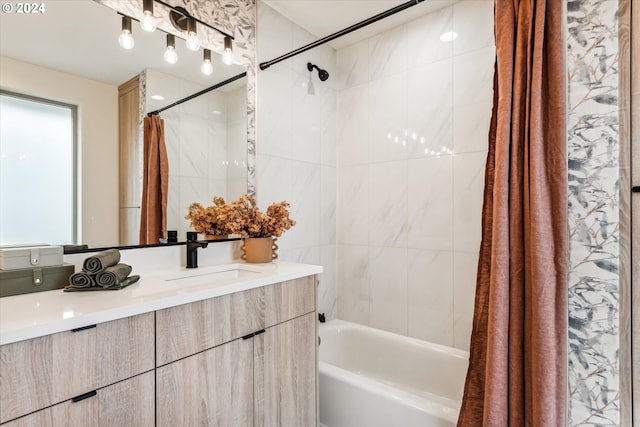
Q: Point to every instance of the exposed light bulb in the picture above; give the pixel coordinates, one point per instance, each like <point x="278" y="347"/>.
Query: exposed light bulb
<point x="192" y="41"/>
<point x="148" y="22"/>
<point x="126" y="38"/>
<point x="207" y="66"/>
<point x="227" y="54"/>
<point x="227" y="58"/>
<point x="170" y="55"/>
<point x="192" y="35"/>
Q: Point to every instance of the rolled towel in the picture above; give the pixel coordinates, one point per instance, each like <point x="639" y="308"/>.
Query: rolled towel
<point x="112" y="276"/>
<point x="126" y="282"/>
<point x="101" y="260"/>
<point x="82" y="280"/>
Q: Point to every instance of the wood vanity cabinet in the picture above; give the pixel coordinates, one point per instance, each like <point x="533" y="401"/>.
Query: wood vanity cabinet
<point x="45" y="371"/>
<point x="260" y="365"/>
<point x="242" y="359"/>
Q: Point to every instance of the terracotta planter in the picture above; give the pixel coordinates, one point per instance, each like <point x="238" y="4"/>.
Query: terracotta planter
<point x="259" y="249"/>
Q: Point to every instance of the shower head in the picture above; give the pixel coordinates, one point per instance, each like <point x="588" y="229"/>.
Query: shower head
<point x="322" y="74"/>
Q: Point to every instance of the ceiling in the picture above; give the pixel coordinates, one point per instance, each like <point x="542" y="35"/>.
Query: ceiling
<point x="81" y="37"/>
<point x="324" y="17"/>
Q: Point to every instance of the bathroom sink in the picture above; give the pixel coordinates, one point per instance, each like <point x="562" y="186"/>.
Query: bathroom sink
<point x="210" y="276"/>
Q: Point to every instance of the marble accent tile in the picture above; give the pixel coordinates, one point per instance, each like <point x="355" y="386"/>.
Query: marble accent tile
<point x="194" y="147"/>
<point x="305" y="203"/>
<point x="593" y="152"/>
<point x="388" y="204"/>
<point x="472" y="99"/>
<point x="329" y="127"/>
<point x="388" y="53"/>
<point x="430" y="203"/>
<point x="388" y="133"/>
<point x="430" y="110"/>
<point x="424" y="44"/>
<point x="353" y="205"/>
<point x="327" y="292"/>
<point x="353" y="283"/>
<point x="306" y="122"/>
<point x="473" y="21"/>
<point x="275" y="112"/>
<point x="430" y="295"/>
<point x="388" y="287"/>
<point x="353" y="65"/>
<point x="328" y="205"/>
<point x="353" y="126"/>
<point x="465" y="268"/>
<point x="468" y="186"/>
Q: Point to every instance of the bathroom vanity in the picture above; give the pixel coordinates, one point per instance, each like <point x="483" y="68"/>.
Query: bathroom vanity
<point x="232" y="345"/>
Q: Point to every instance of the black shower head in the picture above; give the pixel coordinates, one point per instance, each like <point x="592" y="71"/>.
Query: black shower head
<point x="322" y="74"/>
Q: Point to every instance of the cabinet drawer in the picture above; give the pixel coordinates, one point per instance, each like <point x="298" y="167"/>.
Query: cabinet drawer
<point x="286" y="300"/>
<point x="127" y="403"/>
<point x="190" y="328"/>
<point x="43" y="371"/>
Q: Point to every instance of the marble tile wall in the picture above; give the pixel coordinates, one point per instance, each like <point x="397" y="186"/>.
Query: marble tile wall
<point x="594" y="173"/>
<point x="296" y="147"/>
<point x="413" y="121"/>
<point x="206" y="144"/>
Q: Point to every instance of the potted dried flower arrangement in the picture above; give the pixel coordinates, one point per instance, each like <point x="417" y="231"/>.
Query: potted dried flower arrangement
<point x="243" y="217"/>
<point x="206" y="220"/>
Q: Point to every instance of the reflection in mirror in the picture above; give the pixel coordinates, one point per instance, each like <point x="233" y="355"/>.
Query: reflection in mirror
<point x="71" y="55"/>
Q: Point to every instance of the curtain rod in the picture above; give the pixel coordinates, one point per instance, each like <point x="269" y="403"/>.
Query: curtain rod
<point x="195" y="95"/>
<point x="341" y="33"/>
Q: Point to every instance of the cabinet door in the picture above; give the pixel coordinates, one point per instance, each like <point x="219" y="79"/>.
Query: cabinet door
<point x="286" y="300"/>
<point x="212" y="388"/>
<point x="127" y="403"/>
<point x="187" y="329"/>
<point x="43" y="371"/>
<point x="285" y="358"/>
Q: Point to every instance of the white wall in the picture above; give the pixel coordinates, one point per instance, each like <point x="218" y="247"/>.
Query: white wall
<point x="97" y="140"/>
<point x="296" y="146"/>
<point x="414" y="115"/>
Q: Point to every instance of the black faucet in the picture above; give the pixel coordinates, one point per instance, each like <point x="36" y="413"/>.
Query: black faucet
<point x="192" y="250"/>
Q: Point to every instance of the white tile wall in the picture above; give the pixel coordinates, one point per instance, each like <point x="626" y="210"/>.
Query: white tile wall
<point x="296" y="146"/>
<point x="413" y="119"/>
<point x="202" y="147"/>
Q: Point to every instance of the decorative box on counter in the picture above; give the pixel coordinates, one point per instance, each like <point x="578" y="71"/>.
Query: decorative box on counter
<point x="17" y="257"/>
<point x="28" y="280"/>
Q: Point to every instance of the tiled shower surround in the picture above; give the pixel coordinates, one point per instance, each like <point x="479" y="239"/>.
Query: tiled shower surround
<point x="414" y="115"/>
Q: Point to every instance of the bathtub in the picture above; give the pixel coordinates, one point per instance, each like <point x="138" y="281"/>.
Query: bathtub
<point x="371" y="378"/>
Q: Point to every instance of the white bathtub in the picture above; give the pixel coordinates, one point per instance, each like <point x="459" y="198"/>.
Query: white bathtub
<point x="371" y="378"/>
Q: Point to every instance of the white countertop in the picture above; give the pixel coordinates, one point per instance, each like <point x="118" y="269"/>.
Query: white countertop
<point x="42" y="313"/>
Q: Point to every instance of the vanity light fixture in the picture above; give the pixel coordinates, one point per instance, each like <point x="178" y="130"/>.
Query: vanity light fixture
<point x="207" y="66"/>
<point x="193" y="43"/>
<point x="170" y="55"/>
<point x="126" y="39"/>
<point x="227" y="55"/>
<point x="148" y="21"/>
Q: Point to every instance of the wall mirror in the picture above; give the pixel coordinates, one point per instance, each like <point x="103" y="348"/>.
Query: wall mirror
<point x="69" y="53"/>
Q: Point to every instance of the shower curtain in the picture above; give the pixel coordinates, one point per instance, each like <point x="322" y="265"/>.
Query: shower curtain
<point x="155" y="182"/>
<point x="518" y="354"/>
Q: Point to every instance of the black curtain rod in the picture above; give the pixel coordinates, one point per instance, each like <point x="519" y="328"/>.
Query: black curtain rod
<point x="341" y="33"/>
<point x="195" y="95"/>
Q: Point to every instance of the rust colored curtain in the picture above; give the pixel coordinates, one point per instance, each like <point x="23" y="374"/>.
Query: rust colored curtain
<point x="518" y="353"/>
<point x="155" y="182"/>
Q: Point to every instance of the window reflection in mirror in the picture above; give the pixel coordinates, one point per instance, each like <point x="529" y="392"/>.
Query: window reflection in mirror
<point x="37" y="173"/>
